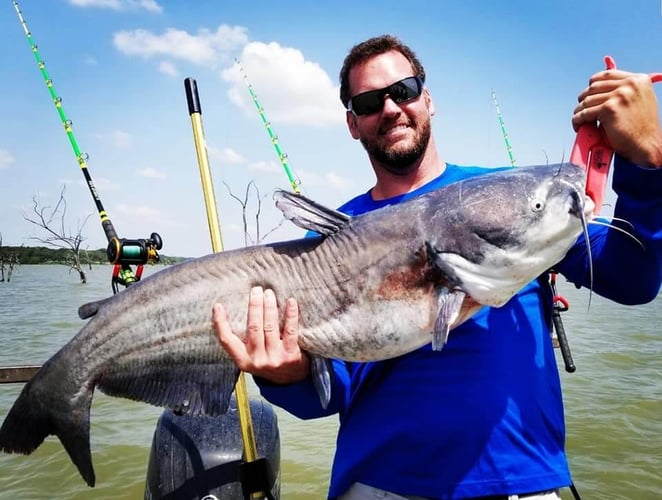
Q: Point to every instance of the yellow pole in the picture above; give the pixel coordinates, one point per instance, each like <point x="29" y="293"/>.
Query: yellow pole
<point x="241" y="393"/>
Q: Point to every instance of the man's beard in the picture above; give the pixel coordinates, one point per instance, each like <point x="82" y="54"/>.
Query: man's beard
<point x="400" y="161"/>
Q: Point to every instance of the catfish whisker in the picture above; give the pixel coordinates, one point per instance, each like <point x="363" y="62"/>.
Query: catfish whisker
<point x="587" y="240"/>
<point x="618" y="219"/>
<point x="616" y="228"/>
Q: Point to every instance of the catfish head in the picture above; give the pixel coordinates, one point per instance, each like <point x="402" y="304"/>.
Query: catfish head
<point x="499" y="231"/>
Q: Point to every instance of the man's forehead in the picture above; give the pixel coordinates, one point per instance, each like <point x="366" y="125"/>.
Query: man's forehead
<point x="379" y="71"/>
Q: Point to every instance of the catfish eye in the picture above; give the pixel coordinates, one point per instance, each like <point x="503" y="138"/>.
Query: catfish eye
<point x="537" y="205"/>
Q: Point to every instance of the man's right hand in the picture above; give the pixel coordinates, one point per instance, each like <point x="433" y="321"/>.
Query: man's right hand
<point x="266" y="351"/>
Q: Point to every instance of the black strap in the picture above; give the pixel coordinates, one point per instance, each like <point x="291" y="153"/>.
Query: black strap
<point x="256" y="477"/>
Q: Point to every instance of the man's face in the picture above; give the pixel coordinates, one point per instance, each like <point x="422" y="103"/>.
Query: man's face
<point x="397" y="135"/>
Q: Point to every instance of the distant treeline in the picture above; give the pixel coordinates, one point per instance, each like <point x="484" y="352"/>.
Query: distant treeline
<point x="44" y="255"/>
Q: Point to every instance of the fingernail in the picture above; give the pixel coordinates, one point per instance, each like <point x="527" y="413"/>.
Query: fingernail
<point x="256" y="291"/>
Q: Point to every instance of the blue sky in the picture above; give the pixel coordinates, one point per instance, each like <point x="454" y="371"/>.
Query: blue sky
<point x="119" y="67"/>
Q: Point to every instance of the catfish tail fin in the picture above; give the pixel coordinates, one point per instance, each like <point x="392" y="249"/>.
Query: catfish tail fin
<point x="41" y="410"/>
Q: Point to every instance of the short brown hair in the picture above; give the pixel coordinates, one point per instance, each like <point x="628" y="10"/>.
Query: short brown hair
<point x="370" y="48"/>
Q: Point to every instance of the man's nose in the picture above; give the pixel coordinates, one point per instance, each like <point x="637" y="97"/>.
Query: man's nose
<point x="390" y="106"/>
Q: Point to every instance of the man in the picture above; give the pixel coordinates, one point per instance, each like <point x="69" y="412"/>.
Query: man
<point x="483" y="418"/>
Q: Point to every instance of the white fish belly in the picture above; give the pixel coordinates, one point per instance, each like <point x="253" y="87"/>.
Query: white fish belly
<point x="381" y="330"/>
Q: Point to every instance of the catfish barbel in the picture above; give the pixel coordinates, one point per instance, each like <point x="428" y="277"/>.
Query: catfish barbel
<point x="369" y="288"/>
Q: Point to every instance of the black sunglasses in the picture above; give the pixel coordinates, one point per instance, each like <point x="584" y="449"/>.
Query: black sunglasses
<point x="372" y="101"/>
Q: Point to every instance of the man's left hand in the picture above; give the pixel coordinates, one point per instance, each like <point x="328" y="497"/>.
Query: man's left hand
<point x="626" y="107"/>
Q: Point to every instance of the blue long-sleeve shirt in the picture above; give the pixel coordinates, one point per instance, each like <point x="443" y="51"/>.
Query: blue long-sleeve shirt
<point x="485" y="415"/>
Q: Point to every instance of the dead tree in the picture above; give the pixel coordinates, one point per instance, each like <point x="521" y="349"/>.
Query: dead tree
<point x="10" y="262"/>
<point x="53" y="222"/>
<point x="248" y="239"/>
<point x="2" y="262"/>
<point x="8" y="259"/>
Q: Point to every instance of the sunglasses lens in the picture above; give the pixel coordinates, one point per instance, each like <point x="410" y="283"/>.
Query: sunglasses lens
<point x="373" y="100"/>
<point x="405" y="90"/>
<point x="368" y="102"/>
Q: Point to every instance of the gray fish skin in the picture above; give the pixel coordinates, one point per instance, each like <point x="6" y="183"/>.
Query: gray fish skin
<point x="376" y="286"/>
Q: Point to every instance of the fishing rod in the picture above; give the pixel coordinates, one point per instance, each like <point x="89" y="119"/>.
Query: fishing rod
<point x="121" y="252"/>
<point x="294" y="182"/>
<point x="254" y="473"/>
<point x="559" y="303"/>
<point x="503" y="130"/>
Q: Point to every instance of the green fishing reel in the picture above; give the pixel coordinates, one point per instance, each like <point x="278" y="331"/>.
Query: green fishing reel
<point x="124" y="251"/>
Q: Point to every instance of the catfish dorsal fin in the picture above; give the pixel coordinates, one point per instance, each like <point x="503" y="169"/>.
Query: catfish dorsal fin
<point x="308" y="214"/>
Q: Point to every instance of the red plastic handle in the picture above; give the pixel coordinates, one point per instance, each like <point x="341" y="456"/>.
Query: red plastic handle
<point x="593" y="152"/>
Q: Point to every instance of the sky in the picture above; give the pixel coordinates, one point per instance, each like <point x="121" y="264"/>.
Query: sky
<point x="119" y="67"/>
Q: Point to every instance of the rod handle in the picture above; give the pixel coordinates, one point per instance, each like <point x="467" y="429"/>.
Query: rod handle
<point x="563" y="342"/>
<point x="192" y="98"/>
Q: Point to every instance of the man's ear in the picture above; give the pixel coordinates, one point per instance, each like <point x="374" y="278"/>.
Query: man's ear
<point x="351" y="124"/>
<point x="429" y="101"/>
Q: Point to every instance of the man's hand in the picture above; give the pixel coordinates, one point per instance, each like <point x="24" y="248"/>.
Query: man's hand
<point x="626" y="107"/>
<point x="266" y="352"/>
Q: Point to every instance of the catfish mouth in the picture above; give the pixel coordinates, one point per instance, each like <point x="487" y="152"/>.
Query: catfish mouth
<point x="577" y="205"/>
<point x="581" y="205"/>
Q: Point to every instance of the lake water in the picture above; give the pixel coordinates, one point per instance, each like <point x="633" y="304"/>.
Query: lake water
<point x="613" y="401"/>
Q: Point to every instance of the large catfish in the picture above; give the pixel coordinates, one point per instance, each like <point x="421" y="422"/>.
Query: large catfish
<point x="369" y="288"/>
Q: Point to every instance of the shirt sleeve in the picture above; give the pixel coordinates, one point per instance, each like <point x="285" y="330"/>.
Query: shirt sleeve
<point x="301" y="399"/>
<point x="624" y="261"/>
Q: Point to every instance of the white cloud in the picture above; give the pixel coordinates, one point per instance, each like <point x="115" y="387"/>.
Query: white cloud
<point x="139" y="211"/>
<point x="330" y="179"/>
<point x="225" y="155"/>
<point x="291" y="89"/>
<point x="336" y="181"/>
<point x="152" y="173"/>
<point x="116" y="138"/>
<point x="6" y="159"/>
<point x="264" y="167"/>
<point x="204" y="48"/>
<point x="168" y="68"/>
<point x="148" y="5"/>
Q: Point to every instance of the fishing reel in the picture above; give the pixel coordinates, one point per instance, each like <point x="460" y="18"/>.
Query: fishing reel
<point x="124" y="253"/>
<point x="137" y="252"/>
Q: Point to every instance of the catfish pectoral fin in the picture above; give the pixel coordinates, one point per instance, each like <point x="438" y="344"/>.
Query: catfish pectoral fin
<point x="322" y="373"/>
<point x="450" y="305"/>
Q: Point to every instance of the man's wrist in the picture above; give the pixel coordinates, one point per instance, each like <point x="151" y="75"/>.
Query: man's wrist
<point x="649" y="156"/>
<point x="656" y="160"/>
<point x="654" y="157"/>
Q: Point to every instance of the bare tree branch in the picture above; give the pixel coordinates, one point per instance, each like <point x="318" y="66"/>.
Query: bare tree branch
<point x="8" y="260"/>
<point x="258" y="212"/>
<point x="47" y="219"/>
